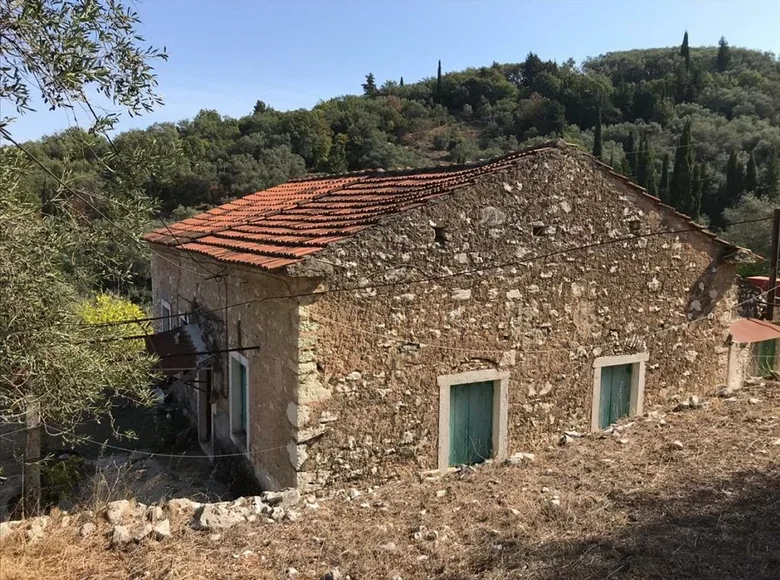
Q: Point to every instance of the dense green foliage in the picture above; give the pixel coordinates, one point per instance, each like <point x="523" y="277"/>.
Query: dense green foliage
<point x="655" y="114"/>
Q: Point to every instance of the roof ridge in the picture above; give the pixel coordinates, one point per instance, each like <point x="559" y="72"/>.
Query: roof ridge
<point x="379" y="172"/>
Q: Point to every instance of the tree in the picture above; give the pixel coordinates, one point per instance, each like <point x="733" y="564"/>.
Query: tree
<point x="696" y="191"/>
<point x="755" y="235"/>
<point x="400" y="84"/>
<point x="646" y="166"/>
<point x="723" y="55"/>
<point x="681" y="185"/>
<point x="337" y="161"/>
<point x="369" y="87"/>
<point x="631" y="154"/>
<point x="597" y="146"/>
<point x="54" y="367"/>
<point x="438" y="84"/>
<point x="685" y="51"/>
<point x="769" y="183"/>
<point x="663" y="185"/>
<point x="734" y="178"/>
<point x="751" y="176"/>
<point x="49" y="47"/>
<point x="260" y="107"/>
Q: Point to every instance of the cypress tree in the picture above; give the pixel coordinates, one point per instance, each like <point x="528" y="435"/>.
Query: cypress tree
<point x="612" y="158"/>
<point x="769" y="185"/>
<point x="751" y="177"/>
<point x="723" y="54"/>
<point x="649" y="162"/>
<point x="731" y="175"/>
<point x="681" y="186"/>
<point x="438" y="84"/>
<point x="369" y="87"/>
<point x="696" y="189"/>
<point x="663" y="186"/>
<point x="597" y="146"/>
<point x="402" y="82"/>
<point x="631" y="155"/>
<point x="641" y="163"/>
<point x="337" y="158"/>
<point x="685" y="51"/>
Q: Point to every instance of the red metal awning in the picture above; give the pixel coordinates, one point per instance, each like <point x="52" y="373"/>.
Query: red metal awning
<point x="753" y="330"/>
<point x="179" y="349"/>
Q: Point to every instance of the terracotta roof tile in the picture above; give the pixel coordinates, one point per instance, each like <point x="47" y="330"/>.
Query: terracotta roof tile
<point x="278" y="227"/>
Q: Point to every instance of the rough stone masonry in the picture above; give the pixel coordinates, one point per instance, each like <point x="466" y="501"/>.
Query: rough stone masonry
<point x="376" y="354"/>
<point x="344" y="384"/>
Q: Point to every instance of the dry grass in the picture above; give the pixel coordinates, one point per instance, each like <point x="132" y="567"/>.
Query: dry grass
<point x="640" y="509"/>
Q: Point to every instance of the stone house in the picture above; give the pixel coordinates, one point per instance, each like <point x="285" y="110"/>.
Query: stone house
<point x="374" y="324"/>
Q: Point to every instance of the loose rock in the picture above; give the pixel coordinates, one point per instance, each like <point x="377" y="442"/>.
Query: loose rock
<point x="116" y="511"/>
<point x="677" y="445"/>
<point x="334" y="574"/>
<point x="120" y="536"/>
<point x="162" y="530"/>
<point x="87" y="529"/>
<point x="214" y="517"/>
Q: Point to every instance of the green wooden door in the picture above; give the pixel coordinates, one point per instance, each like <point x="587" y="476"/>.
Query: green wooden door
<point x="615" y="394"/>
<point x="765" y="356"/>
<point x="471" y="423"/>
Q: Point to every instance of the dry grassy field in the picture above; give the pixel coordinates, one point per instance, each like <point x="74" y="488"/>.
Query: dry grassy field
<point x="632" y="505"/>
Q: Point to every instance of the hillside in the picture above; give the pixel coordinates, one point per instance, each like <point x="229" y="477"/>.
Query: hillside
<point x="691" y="494"/>
<point x="639" y="101"/>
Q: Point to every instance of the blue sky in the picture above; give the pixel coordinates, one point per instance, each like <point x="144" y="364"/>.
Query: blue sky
<point x="226" y="54"/>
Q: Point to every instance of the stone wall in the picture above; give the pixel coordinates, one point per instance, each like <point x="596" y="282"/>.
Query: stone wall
<point x="271" y="324"/>
<point x="369" y="402"/>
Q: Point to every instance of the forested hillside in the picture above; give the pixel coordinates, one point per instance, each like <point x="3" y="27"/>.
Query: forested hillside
<point x="700" y="127"/>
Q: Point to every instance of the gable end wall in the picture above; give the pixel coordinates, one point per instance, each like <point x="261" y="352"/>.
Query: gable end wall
<point x="376" y="354"/>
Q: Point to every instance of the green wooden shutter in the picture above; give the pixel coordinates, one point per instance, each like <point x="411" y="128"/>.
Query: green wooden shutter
<point x="605" y="402"/>
<point x="243" y="404"/>
<point x="621" y="391"/>
<point x="471" y="423"/>
<point x="615" y="400"/>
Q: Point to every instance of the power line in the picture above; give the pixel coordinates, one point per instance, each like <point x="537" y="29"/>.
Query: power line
<point x="438" y="277"/>
<point x="171" y="455"/>
<point x="400" y="283"/>
<point x="4" y="133"/>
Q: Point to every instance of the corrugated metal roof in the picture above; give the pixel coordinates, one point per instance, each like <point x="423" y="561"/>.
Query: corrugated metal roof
<point x="178" y="349"/>
<point x="282" y="225"/>
<point x="753" y="330"/>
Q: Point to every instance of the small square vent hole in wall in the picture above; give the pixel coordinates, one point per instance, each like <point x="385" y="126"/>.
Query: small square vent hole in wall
<point x="440" y="234"/>
<point x="537" y="229"/>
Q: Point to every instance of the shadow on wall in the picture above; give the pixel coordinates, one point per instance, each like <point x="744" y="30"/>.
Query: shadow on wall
<point x="709" y="288"/>
<point x="713" y="530"/>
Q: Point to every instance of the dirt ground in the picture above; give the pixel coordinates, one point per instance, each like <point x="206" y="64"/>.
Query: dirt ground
<point x="690" y="494"/>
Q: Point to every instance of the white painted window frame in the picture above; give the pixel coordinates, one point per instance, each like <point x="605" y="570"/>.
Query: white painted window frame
<point x="242" y="442"/>
<point x="166" y="320"/>
<point x="500" y="380"/>
<point x="636" y="404"/>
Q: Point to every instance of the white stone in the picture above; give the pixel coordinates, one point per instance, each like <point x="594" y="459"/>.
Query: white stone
<point x="513" y="294"/>
<point x="214" y="517"/>
<point x="162" y="530"/>
<point x="142" y="532"/>
<point x="120" y="536"/>
<point x="441" y="493"/>
<point x="285" y="498"/>
<point x="461" y="294"/>
<point x="676" y="444"/>
<point x="116" y="510"/>
<point x="182" y="505"/>
<point x="87" y="529"/>
<point x="154" y="513"/>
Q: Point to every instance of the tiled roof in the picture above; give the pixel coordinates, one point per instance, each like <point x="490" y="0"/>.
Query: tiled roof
<point x="282" y="225"/>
